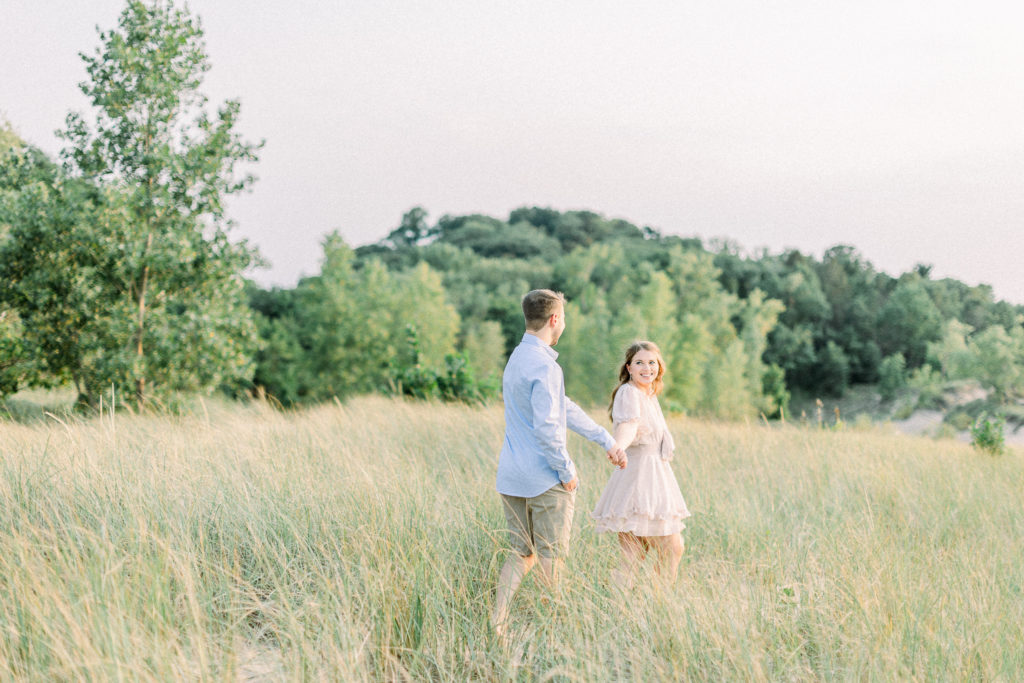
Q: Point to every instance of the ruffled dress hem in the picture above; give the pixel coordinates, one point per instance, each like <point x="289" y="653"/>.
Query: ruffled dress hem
<point x="642" y="526"/>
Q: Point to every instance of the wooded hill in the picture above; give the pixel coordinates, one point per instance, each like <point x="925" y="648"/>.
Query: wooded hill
<point x="739" y="331"/>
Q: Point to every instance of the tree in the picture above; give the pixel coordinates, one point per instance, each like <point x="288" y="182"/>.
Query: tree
<point x="908" y="321"/>
<point x="484" y="347"/>
<point x="46" y="264"/>
<point x="999" y="360"/>
<point x="587" y="350"/>
<point x="43" y="256"/>
<point x="892" y="376"/>
<point x="950" y="354"/>
<point x="174" y="316"/>
<point x="347" y="329"/>
<point x="855" y="292"/>
<point x="12" y="354"/>
<point x="418" y="299"/>
<point x="757" y="317"/>
<point x="833" y="370"/>
<point x="411" y="231"/>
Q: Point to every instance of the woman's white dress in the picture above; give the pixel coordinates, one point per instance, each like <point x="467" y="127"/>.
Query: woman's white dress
<point x="642" y="497"/>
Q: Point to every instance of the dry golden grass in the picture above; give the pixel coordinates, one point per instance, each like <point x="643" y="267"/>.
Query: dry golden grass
<point x="362" y="542"/>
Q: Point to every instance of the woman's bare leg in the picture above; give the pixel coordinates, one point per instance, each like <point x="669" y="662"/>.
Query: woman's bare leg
<point x="670" y="552"/>
<point x="634" y="550"/>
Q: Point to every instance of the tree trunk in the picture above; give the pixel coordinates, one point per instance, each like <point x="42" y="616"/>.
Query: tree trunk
<point x="140" y="328"/>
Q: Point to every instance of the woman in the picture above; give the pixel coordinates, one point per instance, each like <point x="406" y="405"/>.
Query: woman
<point x="642" y="501"/>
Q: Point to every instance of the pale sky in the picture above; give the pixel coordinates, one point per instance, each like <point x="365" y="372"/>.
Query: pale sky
<point x="896" y="127"/>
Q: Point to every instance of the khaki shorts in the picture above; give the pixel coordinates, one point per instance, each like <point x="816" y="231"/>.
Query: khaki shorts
<point x="541" y="524"/>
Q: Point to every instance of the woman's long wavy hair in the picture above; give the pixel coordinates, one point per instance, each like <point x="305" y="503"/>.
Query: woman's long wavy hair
<point x="633" y="349"/>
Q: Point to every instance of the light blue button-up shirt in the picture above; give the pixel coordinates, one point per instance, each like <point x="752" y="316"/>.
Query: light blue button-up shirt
<point x="534" y="456"/>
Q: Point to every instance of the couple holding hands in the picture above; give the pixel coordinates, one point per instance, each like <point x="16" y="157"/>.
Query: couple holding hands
<point x="536" y="476"/>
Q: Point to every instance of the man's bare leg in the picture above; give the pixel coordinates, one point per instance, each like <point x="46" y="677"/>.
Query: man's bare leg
<point x="550" y="568"/>
<point x="512" y="573"/>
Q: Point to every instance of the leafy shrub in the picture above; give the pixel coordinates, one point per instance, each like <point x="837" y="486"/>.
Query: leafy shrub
<point x="456" y="382"/>
<point x="773" y="385"/>
<point x="904" y="411"/>
<point x="929" y="385"/>
<point x="987" y="434"/>
<point x="959" y="420"/>
<point x="416" y="381"/>
<point x="892" y="376"/>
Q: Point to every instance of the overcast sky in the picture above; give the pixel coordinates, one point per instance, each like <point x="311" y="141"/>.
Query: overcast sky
<point x="896" y="127"/>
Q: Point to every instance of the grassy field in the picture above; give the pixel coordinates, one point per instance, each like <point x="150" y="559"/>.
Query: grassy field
<point x="363" y="542"/>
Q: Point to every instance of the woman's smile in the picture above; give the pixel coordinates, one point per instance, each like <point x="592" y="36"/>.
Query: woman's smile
<point x="644" y="368"/>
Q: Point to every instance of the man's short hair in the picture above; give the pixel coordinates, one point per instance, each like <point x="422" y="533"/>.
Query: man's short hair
<point x="539" y="305"/>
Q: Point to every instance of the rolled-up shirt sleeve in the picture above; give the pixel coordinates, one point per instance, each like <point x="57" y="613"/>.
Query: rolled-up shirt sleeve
<point x="578" y="421"/>
<point x="547" y="425"/>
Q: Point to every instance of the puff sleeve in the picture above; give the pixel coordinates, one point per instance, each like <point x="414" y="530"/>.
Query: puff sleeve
<point x="627" y="406"/>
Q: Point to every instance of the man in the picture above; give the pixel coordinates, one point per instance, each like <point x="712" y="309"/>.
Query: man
<point x="536" y="476"/>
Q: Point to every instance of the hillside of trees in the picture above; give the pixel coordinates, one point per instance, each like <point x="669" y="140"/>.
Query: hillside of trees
<point x="740" y="332"/>
<point x="119" y="276"/>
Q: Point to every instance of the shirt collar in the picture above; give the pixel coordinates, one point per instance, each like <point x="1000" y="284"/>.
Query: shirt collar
<point x="534" y="340"/>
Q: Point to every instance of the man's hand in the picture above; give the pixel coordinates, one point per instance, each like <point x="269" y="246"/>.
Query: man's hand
<point x="570" y="486"/>
<point x="617" y="456"/>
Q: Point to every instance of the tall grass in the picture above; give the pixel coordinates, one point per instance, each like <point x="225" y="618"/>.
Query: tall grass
<point x="363" y="542"/>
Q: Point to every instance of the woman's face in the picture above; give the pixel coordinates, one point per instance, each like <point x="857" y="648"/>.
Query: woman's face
<point x="643" y="368"/>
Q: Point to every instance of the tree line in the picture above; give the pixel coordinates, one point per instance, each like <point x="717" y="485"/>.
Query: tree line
<point x="120" y="277"/>
<point x="740" y="331"/>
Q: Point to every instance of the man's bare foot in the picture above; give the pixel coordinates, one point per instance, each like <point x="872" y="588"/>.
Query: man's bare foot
<point x="500" y="629"/>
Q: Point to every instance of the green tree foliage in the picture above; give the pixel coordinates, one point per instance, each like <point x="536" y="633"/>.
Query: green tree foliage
<point x="17" y="162"/>
<point x="47" y="265"/>
<point x="487" y="289"/>
<point x="412" y="230"/>
<point x="863" y="313"/>
<point x="13" y="359"/>
<point x="139" y="286"/>
<point x="757" y="317"/>
<point x="494" y="238"/>
<point x="776" y="395"/>
<point x="988" y="434"/>
<point x="855" y="292"/>
<point x="455" y="382"/>
<point x="908" y="321"/>
<point x="712" y="341"/>
<point x="738" y="331"/>
<point x="590" y="348"/>
<point x="892" y="376"/>
<point x="950" y="354"/>
<point x="484" y="346"/>
<point x="46" y="258"/>
<point x="993" y="356"/>
<point x="999" y="360"/>
<point x="976" y="306"/>
<point x="345" y="330"/>
<point x="834" y="370"/>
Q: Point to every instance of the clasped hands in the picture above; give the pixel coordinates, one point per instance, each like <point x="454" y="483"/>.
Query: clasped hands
<point x="617" y="456"/>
